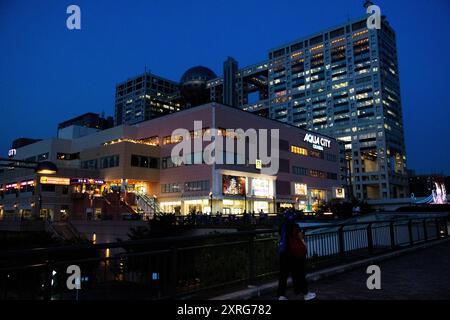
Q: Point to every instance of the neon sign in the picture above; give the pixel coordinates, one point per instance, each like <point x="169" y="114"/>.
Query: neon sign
<point x="318" y="142"/>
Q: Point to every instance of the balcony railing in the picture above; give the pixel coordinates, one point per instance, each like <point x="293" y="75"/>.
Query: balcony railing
<point x="197" y="266"/>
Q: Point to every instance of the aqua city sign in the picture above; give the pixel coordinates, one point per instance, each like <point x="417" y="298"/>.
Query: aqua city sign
<point x="318" y="142"/>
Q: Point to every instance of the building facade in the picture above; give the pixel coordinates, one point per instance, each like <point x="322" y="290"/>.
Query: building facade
<point x="342" y="82"/>
<point x="146" y="96"/>
<point x="345" y="82"/>
<point x="106" y="174"/>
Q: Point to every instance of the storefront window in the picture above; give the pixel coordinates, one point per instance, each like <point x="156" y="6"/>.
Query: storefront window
<point x="261" y="206"/>
<point x="301" y="189"/>
<point x="318" y="196"/>
<point x="171" y="207"/>
<point x="260" y="188"/>
<point x="196" y="206"/>
<point x="235" y="207"/>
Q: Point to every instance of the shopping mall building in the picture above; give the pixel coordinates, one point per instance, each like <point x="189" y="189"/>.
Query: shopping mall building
<point x="130" y="169"/>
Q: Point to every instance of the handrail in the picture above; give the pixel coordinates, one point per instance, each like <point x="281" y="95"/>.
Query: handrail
<point x="49" y="225"/>
<point x="183" y="265"/>
<point x="185" y="239"/>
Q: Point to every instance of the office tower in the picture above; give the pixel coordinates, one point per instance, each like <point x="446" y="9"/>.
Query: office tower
<point x="146" y="96"/>
<point x="344" y="82"/>
<point x="230" y="68"/>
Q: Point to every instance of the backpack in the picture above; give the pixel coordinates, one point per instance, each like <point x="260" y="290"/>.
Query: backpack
<point x="297" y="247"/>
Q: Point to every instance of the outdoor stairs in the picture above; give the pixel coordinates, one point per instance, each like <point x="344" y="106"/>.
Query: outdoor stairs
<point x="63" y="230"/>
<point x="148" y="205"/>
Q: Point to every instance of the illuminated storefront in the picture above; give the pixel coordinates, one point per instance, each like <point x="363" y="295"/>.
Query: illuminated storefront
<point x="171" y="206"/>
<point x="128" y="185"/>
<point x="233" y="207"/>
<point x="259" y="206"/>
<point x="201" y="205"/>
<point x="55" y="181"/>
<point x="94" y="187"/>
<point x="135" y="160"/>
<point x="318" y="196"/>
<point x="301" y="189"/>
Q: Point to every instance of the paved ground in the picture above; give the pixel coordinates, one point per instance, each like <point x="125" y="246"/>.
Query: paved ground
<point x="422" y="275"/>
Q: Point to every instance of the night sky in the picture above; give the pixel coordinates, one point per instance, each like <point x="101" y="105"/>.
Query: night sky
<point x="49" y="74"/>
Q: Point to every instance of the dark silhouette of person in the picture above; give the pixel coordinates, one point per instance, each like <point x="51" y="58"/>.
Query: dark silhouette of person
<point x="291" y="263"/>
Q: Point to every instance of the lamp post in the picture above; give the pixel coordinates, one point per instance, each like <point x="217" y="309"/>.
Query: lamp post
<point x="211" y="202"/>
<point x="275" y="205"/>
<point x="245" y="199"/>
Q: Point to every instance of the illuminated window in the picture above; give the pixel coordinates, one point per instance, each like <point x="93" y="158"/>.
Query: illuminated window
<point x="298" y="150"/>
<point x="300" y="189"/>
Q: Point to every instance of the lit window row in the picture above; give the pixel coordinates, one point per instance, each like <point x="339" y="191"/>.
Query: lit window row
<point x="298" y="150"/>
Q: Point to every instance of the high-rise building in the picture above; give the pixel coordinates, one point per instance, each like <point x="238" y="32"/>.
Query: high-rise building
<point x="342" y="82"/>
<point x="145" y="97"/>
<point x="230" y="68"/>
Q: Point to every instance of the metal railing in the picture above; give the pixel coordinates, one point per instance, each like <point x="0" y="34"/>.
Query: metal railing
<point x="149" y="205"/>
<point x="215" y="220"/>
<point x="199" y="266"/>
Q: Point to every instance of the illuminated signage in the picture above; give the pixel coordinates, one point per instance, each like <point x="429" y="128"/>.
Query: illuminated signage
<point x="301" y="189"/>
<point x="86" y="181"/>
<point x="258" y="164"/>
<point x="318" y="142"/>
<point x="11" y="186"/>
<point x="27" y="183"/>
<point x="12" y="153"/>
<point x="232" y="185"/>
<point x="55" y="180"/>
<point x="339" y="193"/>
<point x="260" y="187"/>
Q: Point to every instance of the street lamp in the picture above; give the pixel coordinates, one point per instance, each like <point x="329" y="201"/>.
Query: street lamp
<point x="211" y="202"/>
<point x="46" y="167"/>
<point x="275" y="205"/>
<point x="245" y="199"/>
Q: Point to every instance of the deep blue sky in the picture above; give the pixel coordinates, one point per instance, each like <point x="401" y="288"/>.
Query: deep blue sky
<point x="49" y="74"/>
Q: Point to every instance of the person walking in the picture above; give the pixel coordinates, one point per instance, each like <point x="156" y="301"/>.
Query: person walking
<point x="292" y="251"/>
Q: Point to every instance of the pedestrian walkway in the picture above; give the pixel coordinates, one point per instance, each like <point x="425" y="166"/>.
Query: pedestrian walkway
<point x="421" y="275"/>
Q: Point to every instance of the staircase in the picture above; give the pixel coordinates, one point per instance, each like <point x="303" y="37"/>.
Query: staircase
<point x="148" y="205"/>
<point x="63" y="230"/>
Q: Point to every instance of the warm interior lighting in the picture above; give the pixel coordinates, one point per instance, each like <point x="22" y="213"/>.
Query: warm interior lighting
<point x="46" y="167"/>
